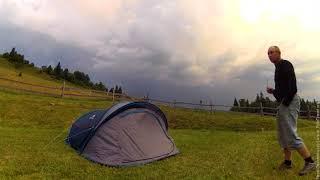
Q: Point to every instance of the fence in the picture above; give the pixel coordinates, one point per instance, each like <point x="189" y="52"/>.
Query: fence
<point x="263" y="111"/>
<point x="71" y="92"/>
<point x="63" y="91"/>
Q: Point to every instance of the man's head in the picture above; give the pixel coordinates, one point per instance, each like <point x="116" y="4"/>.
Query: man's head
<point x="274" y="54"/>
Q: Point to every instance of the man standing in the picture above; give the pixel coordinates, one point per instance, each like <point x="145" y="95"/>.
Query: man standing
<point x="285" y="92"/>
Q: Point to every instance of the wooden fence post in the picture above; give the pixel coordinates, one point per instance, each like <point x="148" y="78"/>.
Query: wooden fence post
<point x="113" y="95"/>
<point x="318" y="139"/>
<point x="211" y="107"/>
<point x="318" y="116"/>
<point x="62" y="89"/>
<point x="121" y="97"/>
<point x="261" y="109"/>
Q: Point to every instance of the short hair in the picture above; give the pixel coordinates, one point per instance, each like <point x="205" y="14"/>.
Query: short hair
<point x="276" y="48"/>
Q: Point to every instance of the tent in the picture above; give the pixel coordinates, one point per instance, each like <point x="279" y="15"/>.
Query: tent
<point x="127" y="134"/>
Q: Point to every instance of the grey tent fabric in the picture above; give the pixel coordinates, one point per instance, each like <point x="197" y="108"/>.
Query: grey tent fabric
<point x="132" y="137"/>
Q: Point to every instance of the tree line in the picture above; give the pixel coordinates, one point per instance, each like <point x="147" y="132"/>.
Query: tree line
<point x="247" y="106"/>
<point x="17" y="59"/>
<point x="57" y="72"/>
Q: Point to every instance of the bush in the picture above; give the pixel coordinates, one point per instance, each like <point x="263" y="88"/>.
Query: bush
<point x="6" y="55"/>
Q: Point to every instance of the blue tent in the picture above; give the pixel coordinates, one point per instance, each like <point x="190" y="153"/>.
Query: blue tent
<point x="127" y="134"/>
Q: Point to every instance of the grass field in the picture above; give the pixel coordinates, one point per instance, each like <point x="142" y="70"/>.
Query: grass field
<point x="222" y="145"/>
<point x="32" y="79"/>
<point x="29" y="125"/>
<point x="29" y="74"/>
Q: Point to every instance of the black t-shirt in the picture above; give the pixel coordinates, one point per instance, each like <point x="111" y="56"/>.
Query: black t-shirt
<point x="285" y="82"/>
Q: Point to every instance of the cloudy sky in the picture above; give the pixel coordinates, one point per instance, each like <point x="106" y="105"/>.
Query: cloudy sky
<point x="184" y="49"/>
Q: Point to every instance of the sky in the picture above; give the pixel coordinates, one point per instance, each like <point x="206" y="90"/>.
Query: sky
<point x="209" y="50"/>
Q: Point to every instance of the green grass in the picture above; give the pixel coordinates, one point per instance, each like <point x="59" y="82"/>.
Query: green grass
<point x="29" y="74"/>
<point x="222" y="145"/>
<point x="34" y="81"/>
<point x="204" y="154"/>
<point x="212" y="146"/>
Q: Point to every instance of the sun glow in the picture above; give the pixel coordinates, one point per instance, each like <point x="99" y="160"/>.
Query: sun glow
<point x="305" y="13"/>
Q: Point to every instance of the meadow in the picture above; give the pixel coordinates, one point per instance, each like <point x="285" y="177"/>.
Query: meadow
<point x="219" y="145"/>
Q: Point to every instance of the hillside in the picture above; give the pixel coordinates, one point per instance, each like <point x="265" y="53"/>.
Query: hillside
<point x="29" y="75"/>
<point x="31" y="79"/>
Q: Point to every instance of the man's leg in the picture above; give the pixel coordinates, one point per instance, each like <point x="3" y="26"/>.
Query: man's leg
<point x="287" y="154"/>
<point x="304" y="152"/>
<point x="295" y="141"/>
<point x="282" y="127"/>
<point x="309" y="164"/>
<point x="286" y="164"/>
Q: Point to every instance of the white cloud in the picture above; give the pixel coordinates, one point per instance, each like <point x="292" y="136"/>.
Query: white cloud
<point x="184" y="42"/>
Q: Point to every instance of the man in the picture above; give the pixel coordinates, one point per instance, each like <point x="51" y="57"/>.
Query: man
<point x="285" y="93"/>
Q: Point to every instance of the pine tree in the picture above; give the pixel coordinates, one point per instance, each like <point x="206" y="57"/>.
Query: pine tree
<point x="247" y="105"/>
<point x="101" y="86"/>
<point x="262" y="100"/>
<point x="117" y="89"/>
<point x="12" y="52"/>
<point x="303" y="105"/>
<point x="66" y="74"/>
<point x="257" y="99"/>
<point x="71" y="77"/>
<point x="235" y="103"/>
<point x="87" y="79"/>
<point x="58" y="71"/>
<point x="6" y="55"/>
<point x="314" y="104"/>
<point x="49" y="70"/>
<point x="242" y="103"/>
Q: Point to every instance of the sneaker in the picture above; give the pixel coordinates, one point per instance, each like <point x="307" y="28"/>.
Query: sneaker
<point x="308" y="167"/>
<point x="284" y="166"/>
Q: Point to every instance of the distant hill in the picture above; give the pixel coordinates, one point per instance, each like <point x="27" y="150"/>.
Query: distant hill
<point x="15" y="63"/>
<point x="28" y="74"/>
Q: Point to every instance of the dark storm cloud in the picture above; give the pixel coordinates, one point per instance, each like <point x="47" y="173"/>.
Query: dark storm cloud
<point x="154" y="47"/>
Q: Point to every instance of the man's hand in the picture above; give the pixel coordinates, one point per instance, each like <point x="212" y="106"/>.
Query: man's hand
<point x="270" y="90"/>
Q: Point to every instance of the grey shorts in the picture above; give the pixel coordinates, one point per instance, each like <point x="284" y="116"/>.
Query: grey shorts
<point x="287" y="124"/>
